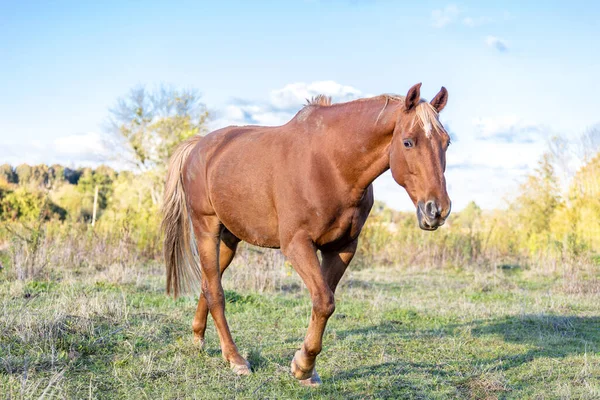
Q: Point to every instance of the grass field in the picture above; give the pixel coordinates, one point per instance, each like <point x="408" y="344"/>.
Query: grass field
<point x="396" y="333"/>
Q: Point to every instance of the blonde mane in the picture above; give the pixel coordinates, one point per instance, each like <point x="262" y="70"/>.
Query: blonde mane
<point x="426" y="114"/>
<point x="319" y="100"/>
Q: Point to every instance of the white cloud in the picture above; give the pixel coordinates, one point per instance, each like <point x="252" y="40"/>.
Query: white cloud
<point x="250" y="114"/>
<point x="78" y="149"/>
<point x="387" y="190"/>
<point x="37" y="144"/>
<point x="498" y="155"/>
<point x="444" y="16"/>
<point x="486" y="186"/>
<point x="473" y="22"/>
<point x="295" y="95"/>
<point x="451" y="14"/>
<point x="282" y="105"/>
<point x="509" y="129"/>
<point x="86" y="146"/>
<point x="491" y="158"/>
<point x="496" y="43"/>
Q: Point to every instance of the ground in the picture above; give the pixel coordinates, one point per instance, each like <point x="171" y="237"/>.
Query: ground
<point x="396" y="333"/>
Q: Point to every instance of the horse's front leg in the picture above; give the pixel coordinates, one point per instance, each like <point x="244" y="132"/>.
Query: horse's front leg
<point x="302" y="253"/>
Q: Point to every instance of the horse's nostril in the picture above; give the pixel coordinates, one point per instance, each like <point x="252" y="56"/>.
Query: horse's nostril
<point x="431" y="209"/>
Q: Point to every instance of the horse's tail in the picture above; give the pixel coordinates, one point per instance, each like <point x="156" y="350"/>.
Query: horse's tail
<point x="180" y="251"/>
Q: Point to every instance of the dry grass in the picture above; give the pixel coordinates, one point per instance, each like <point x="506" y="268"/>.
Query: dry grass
<point x="397" y="333"/>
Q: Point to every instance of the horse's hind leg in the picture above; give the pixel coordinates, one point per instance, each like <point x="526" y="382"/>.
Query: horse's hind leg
<point x="227" y="247"/>
<point x="208" y="230"/>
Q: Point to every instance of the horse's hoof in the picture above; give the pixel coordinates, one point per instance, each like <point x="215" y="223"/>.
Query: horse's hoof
<point x="313" y="381"/>
<point x="241" y="369"/>
<point x="300" y="373"/>
<point x="199" y="341"/>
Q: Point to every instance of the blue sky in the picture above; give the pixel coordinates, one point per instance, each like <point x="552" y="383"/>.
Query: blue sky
<point x="517" y="72"/>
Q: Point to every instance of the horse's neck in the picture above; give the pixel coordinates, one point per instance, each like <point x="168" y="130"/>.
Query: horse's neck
<point x="361" y="134"/>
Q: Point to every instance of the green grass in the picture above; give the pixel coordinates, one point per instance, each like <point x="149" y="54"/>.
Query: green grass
<point x="396" y="333"/>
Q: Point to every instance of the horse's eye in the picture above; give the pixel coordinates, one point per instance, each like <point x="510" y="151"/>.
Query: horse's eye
<point x="408" y="143"/>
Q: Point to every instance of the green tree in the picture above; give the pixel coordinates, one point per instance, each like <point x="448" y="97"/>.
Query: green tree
<point x="36" y="177"/>
<point x="26" y="205"/>
<point x="149" y="125"/>
<point x="8" y="174"/>
<point x="584" y="208"/>
<point x="24" y="173"/>
<point x="533" y="209"/>
<point x="470" y="220"/>
<point x="40" y="176"/>
<point x="78" y="205"/>
<point x="56" y="174"/>
<point x="72" y="175"/>
<point x="539" y="196"/>
<point x="103" y="178"/>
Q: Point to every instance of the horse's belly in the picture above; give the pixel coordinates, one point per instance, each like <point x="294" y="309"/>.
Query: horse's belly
<point x="253" y="230"/>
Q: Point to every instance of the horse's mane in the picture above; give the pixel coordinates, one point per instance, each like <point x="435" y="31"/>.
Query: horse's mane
<point x="318" y="100"/>
<point x="426" y="114"/>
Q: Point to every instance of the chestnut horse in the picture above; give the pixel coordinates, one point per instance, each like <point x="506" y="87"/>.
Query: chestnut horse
<point x="302" y="187"/>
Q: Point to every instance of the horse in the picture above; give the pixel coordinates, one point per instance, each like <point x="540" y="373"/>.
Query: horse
<point x="303" y="187"/>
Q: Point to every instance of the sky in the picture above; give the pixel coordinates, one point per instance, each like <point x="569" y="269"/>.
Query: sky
<point x="518" y="73"/>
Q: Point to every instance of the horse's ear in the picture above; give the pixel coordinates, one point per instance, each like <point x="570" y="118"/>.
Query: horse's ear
<point x="440" y="100"/>
<point x="412" y="97"/>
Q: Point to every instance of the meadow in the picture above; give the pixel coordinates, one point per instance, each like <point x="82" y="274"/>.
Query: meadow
<point x="398" y="332"/>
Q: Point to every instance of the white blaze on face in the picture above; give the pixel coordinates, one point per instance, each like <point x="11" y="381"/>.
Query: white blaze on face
<point x="427" y="128"/>
<point x="428" y="118"/>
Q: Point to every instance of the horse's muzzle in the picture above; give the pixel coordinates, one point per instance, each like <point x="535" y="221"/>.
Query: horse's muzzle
<point x="430" y="215"/>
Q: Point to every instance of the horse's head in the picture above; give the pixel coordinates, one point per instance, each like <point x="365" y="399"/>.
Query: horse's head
<point x="418" y="156"/>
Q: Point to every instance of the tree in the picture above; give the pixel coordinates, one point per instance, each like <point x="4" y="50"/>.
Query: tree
<point x="470" y="220"/>
<point x="539" y="197"/>
<point x="26" y="205"/>
<point x="102" y="177"/>
<point x="7" y="173"/>
<point x="36" y="177"/>
<point x="23" y="172"/>
<point x="534" y="209"/>
<point x="584" y="204"/>
<point x="589" y="143"/>
<point x="40" y="176"/>
<point x="56" y="174"/>
<point x="72" y="175"/>
<point x="148" y="126"/>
